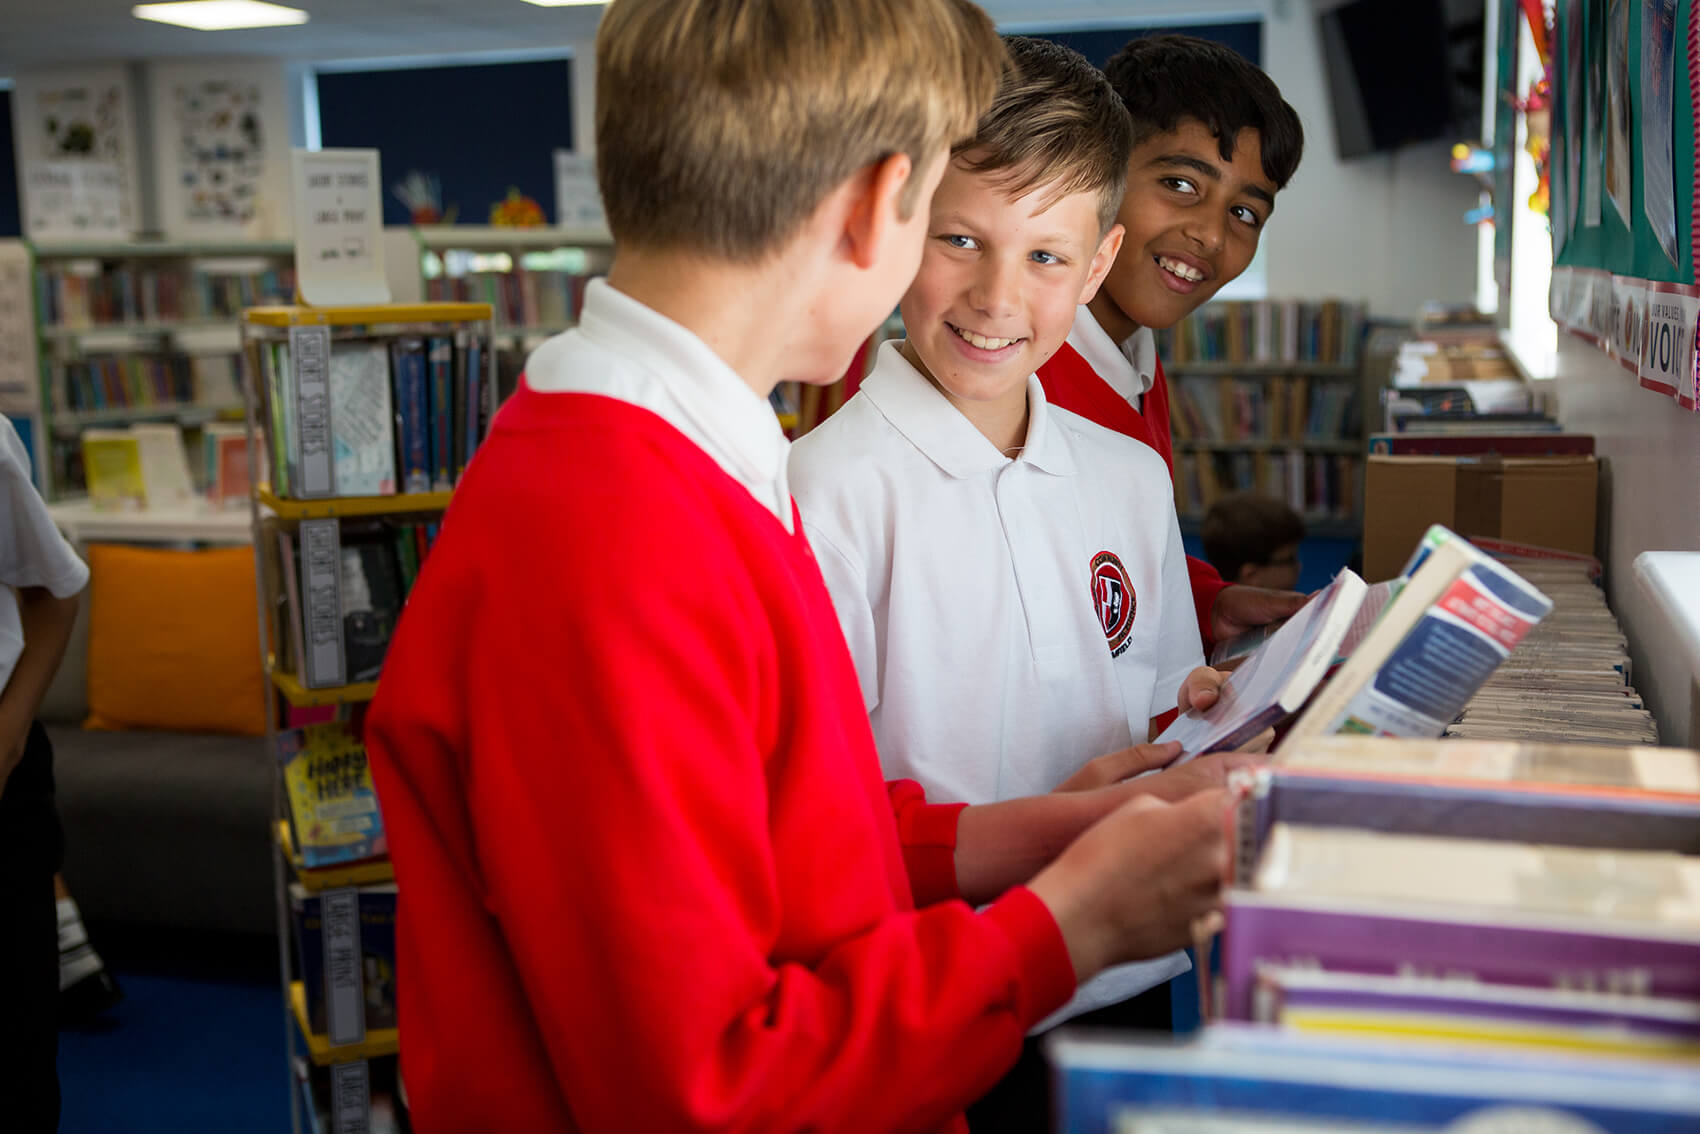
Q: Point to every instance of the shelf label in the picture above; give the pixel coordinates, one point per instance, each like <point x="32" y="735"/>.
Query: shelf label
<point x="339" y="213"/>
<point x="1667" y="357"/>
<point x="345" y="994"/>
<point x="309" y="360"/>
<point x="351" y="1098"/>
<point x="321" y="588"/>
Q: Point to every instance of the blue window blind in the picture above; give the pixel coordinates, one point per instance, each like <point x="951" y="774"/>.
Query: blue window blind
<point x="478" y="129"/>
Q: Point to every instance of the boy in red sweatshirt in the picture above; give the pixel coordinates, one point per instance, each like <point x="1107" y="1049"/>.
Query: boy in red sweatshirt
<point x="651" y="877"/>
<point x="1214" y="142"/>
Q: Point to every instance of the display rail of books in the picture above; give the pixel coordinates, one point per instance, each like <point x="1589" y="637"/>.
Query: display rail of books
<point x="137" y="331"/>
<point x="1266" y="396"/>
<point x="360" y="422"/>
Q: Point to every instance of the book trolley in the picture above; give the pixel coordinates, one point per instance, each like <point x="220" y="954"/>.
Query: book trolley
<point x="360" y="419"/>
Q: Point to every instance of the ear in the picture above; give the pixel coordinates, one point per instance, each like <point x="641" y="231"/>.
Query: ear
<point x="871" y="211"/>
<point x="1101" y="262"/>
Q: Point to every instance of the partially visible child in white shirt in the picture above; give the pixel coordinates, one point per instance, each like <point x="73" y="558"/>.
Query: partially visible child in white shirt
<point x="47" y="578"/>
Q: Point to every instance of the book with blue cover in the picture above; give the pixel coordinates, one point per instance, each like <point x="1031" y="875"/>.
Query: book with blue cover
<point x="412" y="408"/>
<point x="441" y="357"/>
<point x="1251" y="1080"/>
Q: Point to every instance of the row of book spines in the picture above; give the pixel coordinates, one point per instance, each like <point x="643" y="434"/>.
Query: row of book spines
<point x="522" y="298"/>
<point x="1229" y="409"/>
<point x="438" y="394"/>
<point x="397" y="551"/>
<point x="123" y="295"/>
<point x="1265" y="331"/>
<point x="140" y="380"/>
<point x="1311" y="484"/>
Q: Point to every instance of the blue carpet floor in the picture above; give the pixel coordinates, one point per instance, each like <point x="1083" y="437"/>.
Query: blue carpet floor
<point x="196" y="1045"/>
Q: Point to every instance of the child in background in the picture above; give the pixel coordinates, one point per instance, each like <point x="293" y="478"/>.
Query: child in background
<point x="1012" y="609"/>
<point x="1213" y="142"/>
<point x="1254" y="539"/>
<point x="47" y="579"/>
<point x="653" y="878"/>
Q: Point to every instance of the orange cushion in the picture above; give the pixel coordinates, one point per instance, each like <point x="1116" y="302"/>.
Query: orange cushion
<point x="174" y="640"/>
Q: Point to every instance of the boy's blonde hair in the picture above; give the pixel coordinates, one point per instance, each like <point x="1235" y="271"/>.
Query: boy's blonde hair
<point x="1057" y="122"/>
<point x="721" y="125"/>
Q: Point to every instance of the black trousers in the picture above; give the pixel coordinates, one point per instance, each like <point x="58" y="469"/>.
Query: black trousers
<point x="30" y="852"/>
<point x="1020" y="1103"/>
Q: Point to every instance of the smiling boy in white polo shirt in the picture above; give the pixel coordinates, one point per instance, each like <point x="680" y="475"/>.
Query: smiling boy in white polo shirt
<point x="1013" y="611"/>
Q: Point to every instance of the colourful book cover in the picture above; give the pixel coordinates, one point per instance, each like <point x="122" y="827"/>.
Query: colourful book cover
<point x="333" y="809"/>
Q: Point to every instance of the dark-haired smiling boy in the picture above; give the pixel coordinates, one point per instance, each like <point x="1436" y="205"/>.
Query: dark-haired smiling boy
<point x="1214" y="142"/>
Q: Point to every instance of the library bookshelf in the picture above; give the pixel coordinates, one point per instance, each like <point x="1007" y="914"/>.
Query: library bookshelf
<point x="1268" y="396"/>
<point x="141" y="331"/>
<point x="359" y="420"/>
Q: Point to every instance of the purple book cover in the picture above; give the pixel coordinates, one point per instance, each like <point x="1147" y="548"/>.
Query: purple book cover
<point x="1557" y="816"/>
<point x="1526" y="952"/>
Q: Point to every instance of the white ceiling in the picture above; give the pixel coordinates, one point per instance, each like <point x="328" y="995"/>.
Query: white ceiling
<point x="39" y="33"/>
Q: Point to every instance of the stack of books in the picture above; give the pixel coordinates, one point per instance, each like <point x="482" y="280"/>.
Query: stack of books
<point x="1570" y="678"/>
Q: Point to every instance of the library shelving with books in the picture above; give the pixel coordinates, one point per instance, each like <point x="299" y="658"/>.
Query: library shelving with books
<point x="137" y="331"/>
<point x="1267" y="396"/>
<point x="361" y="421"/>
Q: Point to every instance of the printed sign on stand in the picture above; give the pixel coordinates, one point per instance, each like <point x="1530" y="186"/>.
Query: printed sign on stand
<point x="578" y="200"/>
<point x="339" y="252"/>
<point x="345" y="993"/>
<point x="1667" y="362"/>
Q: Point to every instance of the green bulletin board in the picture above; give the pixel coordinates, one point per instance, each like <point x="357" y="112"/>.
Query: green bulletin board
<point x="1623" y="249"/>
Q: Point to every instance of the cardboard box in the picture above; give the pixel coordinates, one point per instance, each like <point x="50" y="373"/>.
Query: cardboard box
<point x="1547" y="501"/>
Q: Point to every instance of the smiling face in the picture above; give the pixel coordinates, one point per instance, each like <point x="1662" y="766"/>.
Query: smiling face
<point x="1193" y="221"/>
<point x="999" y="283"/>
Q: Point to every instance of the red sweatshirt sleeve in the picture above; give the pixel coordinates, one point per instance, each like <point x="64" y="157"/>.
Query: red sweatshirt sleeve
<point x="1207" y="583"/>
<point x="642" y="851"/>
<point x="927" y="832"/>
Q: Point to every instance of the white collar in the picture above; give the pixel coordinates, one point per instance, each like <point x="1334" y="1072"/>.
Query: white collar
<point x="735" y="424"/>
<point x="1128" y="367"/>
<point x="938" y="429"/>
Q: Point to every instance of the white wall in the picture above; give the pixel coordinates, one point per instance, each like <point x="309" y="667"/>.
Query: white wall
<point x="1388" y="229"/>
<point x="1651" y="466"/>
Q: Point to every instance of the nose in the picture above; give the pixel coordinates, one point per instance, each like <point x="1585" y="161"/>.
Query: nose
<point x="1208" y="229"/>
<point x="996" y="290"/>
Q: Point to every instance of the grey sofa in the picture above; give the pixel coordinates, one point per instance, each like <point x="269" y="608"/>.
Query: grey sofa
<point x="162" y="829"/>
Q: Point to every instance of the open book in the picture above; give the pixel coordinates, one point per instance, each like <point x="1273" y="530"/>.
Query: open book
<point x="1277" y="678"/>
<point x="1458" y="615"/>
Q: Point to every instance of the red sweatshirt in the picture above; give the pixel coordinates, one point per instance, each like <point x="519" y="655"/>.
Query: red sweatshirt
<point x="1071" y="383"/>
<point x="650" y="876"/>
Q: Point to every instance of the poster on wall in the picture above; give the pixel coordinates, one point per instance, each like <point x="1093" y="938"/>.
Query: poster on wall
<point x="1593" y="161"/>
<point x="1658" y="88"/>
<point x="223" y="149"/>
<point x="75" y="143"/>
<point x="1572" y="114"/>
<point x="1618" y="108"/>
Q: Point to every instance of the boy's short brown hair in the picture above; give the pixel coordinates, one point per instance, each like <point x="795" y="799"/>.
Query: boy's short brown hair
<point x="721" y="125"/>
<point x="1056" y="121"/>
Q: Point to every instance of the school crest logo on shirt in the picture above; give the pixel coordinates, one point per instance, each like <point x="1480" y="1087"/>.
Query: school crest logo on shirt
<point x="1113" y="599"/>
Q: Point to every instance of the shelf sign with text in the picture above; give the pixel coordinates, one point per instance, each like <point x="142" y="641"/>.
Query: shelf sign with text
<point x="578" y="199"/>
<point x="339" y="208"/>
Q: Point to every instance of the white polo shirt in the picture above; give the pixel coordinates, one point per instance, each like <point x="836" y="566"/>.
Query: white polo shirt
<point x="1129" y="368"/>
<point x="1010" y="619"/>
<point x="32" y="552"/>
